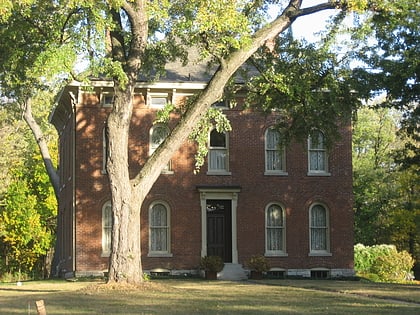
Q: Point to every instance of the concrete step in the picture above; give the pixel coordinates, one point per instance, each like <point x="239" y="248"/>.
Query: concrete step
<point x="232" y="272"/>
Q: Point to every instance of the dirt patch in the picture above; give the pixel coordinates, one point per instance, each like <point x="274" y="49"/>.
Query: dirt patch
<point x="123" y="287"/>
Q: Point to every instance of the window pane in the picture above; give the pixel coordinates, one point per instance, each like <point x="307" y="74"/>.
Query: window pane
<point x="159" y="134"/>
<point x="159" y="217"/>
<point x="273" y="152"/>
<point x="217" y="139"/>
<point x="159" y="228"/>
<point x="274" y="228"/>
<point x="274" y="239"/>
<point x="317" y="140"/>
<point x="159" y="101"/>
<point x="159" y="239"/>
<point x="274" y="216"/>
<point x="217" y="159"/>
<point x="106" y="227"/>
<point x="272" y="139"/>
<point x="274" y="160"/>
<point x="317" y="160"/>
<point x="318" y="239"/>
<point x="318" y="217"/>
<point x="319" y="228"/>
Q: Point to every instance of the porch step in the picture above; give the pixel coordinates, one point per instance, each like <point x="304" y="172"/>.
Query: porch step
<point x="232" y="272"/>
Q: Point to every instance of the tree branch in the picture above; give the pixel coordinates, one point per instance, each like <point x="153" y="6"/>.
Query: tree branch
<point x="42" y="144"/>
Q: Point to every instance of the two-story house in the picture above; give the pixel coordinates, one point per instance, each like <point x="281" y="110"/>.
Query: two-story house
<point x="291" y="204"/>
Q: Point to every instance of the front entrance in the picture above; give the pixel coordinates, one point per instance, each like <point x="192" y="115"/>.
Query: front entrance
<point x="219" y="207"/>
<point x="219" y="229"/>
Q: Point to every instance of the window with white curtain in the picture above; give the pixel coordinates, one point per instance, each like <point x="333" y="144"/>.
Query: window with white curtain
<point x="158" y="134"/>
<point x="317" y="159"/>
<point x="275" y="229"/>
<point x="319" y="229"/>
<point x="106" y="228"/>
<point x="275" y="157"/>
<point x="159" y="227"/>
<point x="218" y="152"/>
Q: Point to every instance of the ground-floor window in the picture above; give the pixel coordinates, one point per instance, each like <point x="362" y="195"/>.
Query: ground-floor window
<point x="159" y="227"/>
<point x="275" y="228"/>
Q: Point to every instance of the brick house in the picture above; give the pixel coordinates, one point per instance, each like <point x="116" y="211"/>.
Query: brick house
<point x="293" y="205"/>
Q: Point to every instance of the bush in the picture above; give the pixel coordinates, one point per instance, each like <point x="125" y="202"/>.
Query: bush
<point x="212" y="263"/>
<point x="258" y="263"/>
<point x="383" y="263"/>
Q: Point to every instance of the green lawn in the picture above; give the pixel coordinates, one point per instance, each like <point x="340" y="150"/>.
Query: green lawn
<point x="194" y="296"/>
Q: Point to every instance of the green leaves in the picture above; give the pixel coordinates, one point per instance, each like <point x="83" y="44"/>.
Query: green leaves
<point x="306" y="85"/>
<point x="214" y="118"/>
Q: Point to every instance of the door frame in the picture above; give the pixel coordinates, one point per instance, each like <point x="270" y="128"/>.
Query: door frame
<point x="225" y="193"/>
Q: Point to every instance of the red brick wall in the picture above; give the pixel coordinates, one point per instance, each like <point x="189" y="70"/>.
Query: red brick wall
<point x="296" y="192"/>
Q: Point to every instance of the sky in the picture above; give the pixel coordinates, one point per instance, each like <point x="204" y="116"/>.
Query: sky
<point x="308" y="26"/>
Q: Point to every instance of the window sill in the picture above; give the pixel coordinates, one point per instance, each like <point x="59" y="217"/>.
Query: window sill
<point x="276" y="254"/>
<point x="325" y="174"/>
<point x="159" y="255"/>
<point x="320" y="254"/>
<point x="105" y="254"/>
<point x="219" y="173"/>
<point x="276" y="173"/>
<point x="165" y="172"/>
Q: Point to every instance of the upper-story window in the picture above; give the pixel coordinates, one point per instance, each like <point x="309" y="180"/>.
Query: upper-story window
<point x="159" y="229"/>
<point x="317" y="154"/>
<point x="107" y="99"/>
<point x="157" y="100"/>
<point x="218" y="157"/>
<point x="275" y="154"/>
<point x="275" y="230"/>
<point x="319" y="230"/>
<point x="158" y="134"/>
<point x="106" y="228"/>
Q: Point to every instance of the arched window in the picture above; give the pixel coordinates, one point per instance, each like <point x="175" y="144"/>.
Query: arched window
<point x="275" y="230"/>
<point x="317" y="159"/>
<point x="218" y="152"/>
<point x="106" y="228"/>
<point x="159" y="229"/>
<point x="275" y="157"/>
<point x="158" y="134"/>
<point x="319" y="229"/>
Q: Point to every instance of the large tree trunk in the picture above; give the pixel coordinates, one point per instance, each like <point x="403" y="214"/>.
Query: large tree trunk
<point x="125" y="260"/>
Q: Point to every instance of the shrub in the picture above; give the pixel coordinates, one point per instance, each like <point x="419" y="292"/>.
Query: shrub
<point x="258" y="263"/>
<point x="383" y="263"/>
<point x="212" y="263"/>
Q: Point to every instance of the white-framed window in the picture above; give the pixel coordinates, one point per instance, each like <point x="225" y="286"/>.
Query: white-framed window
<point x="275" y="154"/>
<point x="319" y="238"/>
<point x="104" y="150"/>
<point x="275" y="230"/>
<point x="158" y="134"/>
<point x="317" y="154"/>
<point x="106" y="228"/>
<point x="218" y="156"/>
<point x="157" y="100"/>
<point x="107" y="99"/>
<point x="159" y="229"/>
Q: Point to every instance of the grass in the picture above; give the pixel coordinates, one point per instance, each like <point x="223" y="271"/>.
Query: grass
<point x="196" y="296"/>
